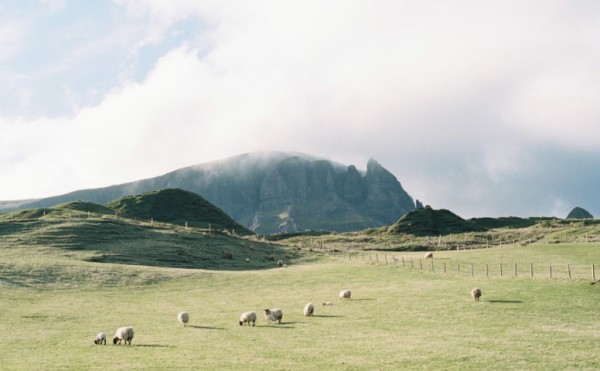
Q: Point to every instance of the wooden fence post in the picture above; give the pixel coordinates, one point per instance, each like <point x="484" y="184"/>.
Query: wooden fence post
<point x="531" y="269"/>
<point x="385" y="256"/>
<point x="411" y="263"/>
<point x="500" y="269"/>
<point x="593" y="273"/>
<point x="516" y="269"/>
<point x="472" y="273"/>
<point x="550" y="270"/>
<point x="420" y="264"/>
<point x="403" y="262"/>
<point x="377" y="258"/>
<point x="569" y="270"/>
<point x="444" y="267"/>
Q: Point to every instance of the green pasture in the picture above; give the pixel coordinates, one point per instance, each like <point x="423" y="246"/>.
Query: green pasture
<point x="52" y="305"/>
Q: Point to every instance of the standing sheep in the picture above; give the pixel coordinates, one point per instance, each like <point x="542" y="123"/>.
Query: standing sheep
<point x="429" y="255"/>
<point x="309" y="309"/>
<point x="248" y="317"/>
<point x="183" y="318"/>
<point x="476" y="293"/>
<point x="345" y="294"/>
<point x="100" y="338"/>
<point x="272" y="315"/>
<point x="123" y="333"/>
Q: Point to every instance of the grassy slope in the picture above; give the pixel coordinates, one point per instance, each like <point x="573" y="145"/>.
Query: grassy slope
<point x="398" y="318"/>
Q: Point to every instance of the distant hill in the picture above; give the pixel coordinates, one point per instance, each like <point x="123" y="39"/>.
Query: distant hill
<point x="429" y="222"/>
<point x="273" y="192"/>
<point x="90" y="232"/>
<point x="176" y="206"/>
<point x="579" y="213"/>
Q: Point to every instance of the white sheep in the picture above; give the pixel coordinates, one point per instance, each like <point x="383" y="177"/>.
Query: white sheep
<point x="345" y="294"/>
<point x="272" y="315"/>
<point x="123" y="334"/>
<point x="280" y="263"/>
<point x="100" y="338"/>
<point x="309" y="309"/>
<point x="183" y="318"/>
<point x="429" y="255"/>
<point x="248" y="317"/>
<point x="476" y="293"/>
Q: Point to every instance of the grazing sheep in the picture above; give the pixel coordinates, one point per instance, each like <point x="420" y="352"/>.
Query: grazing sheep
<point x="248" y="317"/>
<point x="345" y="294"/>
<point x="272" y="315"/>
<point x="429" y="255"/>
<point x="327" y="303"/>
<point x="476" y="293"/>
<point x="100" y="338"/>
<point x="123" y="333"/>
<point x="183" y="318"/>
<point x="280" y="263"/>
<point x="309" y="309"/>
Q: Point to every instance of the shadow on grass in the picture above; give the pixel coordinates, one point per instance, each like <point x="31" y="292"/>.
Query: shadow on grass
<point x="361" y="299"/>
<point x="151" y="345"/>
<point x="206" y="327"/>
<point x="326" y="316"/>
<point x="504" y="301"/>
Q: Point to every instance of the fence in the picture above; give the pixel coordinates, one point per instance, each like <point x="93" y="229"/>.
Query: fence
<point x="466" y="268"/>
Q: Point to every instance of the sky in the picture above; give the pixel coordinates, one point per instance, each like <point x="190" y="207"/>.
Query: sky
<point x="485" y="108"/>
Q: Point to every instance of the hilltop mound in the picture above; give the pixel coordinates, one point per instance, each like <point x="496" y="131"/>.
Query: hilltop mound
<point x="176" y="206"/>
<point x="579" y="213"/>
<point x="430" y="222"/>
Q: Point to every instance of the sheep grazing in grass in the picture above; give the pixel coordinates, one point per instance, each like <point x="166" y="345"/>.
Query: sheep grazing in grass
<point x="429" y="255"/>
<point x="272" y="315"/>
<point x="248" y="317"/>
<point x="123" y="334"/>
<point x="100" y="339"/>
<point x="309" y="309"/>
<point x="280" y="263"/>
<point x="183" y="318"/>
<point x="345" y="294"/>
<point x="476" y="293"/>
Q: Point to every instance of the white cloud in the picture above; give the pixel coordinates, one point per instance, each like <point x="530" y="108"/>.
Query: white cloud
<point x="455" y="98"/>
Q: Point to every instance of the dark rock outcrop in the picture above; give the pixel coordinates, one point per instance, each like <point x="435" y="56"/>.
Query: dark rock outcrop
<point x="579" y="213"/>
<point x="277" y="192"/>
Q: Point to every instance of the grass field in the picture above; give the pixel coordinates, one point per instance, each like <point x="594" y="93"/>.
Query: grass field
<point x="52" y="306"/>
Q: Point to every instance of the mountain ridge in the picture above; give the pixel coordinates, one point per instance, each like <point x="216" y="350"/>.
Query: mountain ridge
<point x="272" y="192"/>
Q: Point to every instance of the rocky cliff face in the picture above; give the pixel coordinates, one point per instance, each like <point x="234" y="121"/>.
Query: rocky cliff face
<point x="279" y="192"/>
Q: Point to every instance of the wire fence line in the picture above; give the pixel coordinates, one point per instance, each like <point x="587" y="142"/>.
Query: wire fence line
<point x="465" y="268"/>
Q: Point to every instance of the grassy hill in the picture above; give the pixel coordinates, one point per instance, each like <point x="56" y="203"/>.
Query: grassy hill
<point x="90" y="232"/>
<point x="429" y="222"/>
<point x="176" y="206"/>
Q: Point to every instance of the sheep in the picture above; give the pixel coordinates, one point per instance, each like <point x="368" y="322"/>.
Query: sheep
<point x="183" y="318"/>
<point x="345" y="294"/>
<point x="248" y="317"/>
<point x="280" y="263"/>
<point x="309" y="309"/>
<point x="272" y="315"/>
<point x="100" y="338"/>
<point x="476" y="293"/>
<point x="123" y="333"/>
<point x="429" y="255"/>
